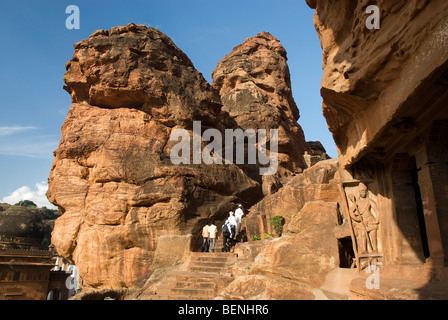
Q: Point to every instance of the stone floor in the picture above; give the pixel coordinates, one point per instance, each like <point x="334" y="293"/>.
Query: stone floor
<point x="205" y="275"/>
<point x="399" y="289"/>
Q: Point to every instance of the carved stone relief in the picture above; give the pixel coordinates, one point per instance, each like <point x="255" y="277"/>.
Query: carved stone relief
<point x="365" y="223"/>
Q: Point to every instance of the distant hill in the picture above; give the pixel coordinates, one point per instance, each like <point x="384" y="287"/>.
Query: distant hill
<point x="26" y="220"/>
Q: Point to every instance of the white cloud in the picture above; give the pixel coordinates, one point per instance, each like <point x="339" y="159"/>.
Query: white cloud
<point x="35" y="148"/>
<point x="6" y="131"/>
<point x="26" y="193"/>
<point x="18" y="141"/>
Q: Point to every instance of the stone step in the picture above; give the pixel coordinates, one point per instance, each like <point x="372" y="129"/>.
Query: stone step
<point x="190" y="276"/>
<point x="180" y="297"/>
<point x="209" y="259"/>
<point x="213" y="254"/>
<point x="195" y="285"/>
<point x="186" y="292"/>
<point x="198" y="282"/>
<point x="193" y="292"/>
<point x="206" y="269"/>
<point x="219" y="246"/>
<point x="192" y="284"/>
<point x="337" y="282"/>
<point x="216" y="264"/>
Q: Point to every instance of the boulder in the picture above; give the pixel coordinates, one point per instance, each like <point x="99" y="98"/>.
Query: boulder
<point x="308" y="251"/>
<point x="309" y="248"/>
<point x="255" y="89"/>
<point x="112" y="176"/>
<point x="316" y="183"/>
<point x="258" y="287"/>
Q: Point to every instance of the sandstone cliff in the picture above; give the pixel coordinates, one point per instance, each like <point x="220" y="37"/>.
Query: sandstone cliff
<point x="385" y="100"/>
<point x="375" y="81"/>
<point x="255" y="89"/>
<point x="304" y="263"/>
<point x="112" y="176"/>
<point x="293" y="266"/>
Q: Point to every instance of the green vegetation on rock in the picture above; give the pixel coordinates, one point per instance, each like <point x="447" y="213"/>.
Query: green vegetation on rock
<point x="26" y="220"/>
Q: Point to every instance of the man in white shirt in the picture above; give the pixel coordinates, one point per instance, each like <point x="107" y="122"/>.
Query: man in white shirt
<point x="213" y="231"/>
<point x="205" y="237"/>
<point x="232" y="222"/>
<point x="239" y="213"/>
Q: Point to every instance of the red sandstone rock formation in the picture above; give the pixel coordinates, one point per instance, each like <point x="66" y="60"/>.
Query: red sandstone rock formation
<point x="375" y="82"/>
<point x="311" y="204"/>
<point x="112" y="177"/>
<point x="385" y="100"/>
<point x="295" y="265"/>
<point x="255" y="88"/>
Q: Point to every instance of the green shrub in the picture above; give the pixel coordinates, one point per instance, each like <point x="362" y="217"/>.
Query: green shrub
<point x="277" y="223"/>
<point x="26" y="203"/>
<point x="255" y="238"/>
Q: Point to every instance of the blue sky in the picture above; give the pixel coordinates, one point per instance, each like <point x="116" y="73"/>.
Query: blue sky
<point x="36" y="45"/>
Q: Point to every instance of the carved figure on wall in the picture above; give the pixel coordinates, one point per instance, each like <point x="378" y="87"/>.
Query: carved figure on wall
<point x="365" y="224"/>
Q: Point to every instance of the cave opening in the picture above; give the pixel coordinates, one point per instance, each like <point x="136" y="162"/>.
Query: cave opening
<point x="346" y="253"/>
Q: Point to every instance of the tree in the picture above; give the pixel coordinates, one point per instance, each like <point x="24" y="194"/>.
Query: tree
<point x="26" y="203"/>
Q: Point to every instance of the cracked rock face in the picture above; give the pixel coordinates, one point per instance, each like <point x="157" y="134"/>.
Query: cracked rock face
<point x="255" y="89"/>
<point x="372" y="78"/>
<point x="112" y="176"/>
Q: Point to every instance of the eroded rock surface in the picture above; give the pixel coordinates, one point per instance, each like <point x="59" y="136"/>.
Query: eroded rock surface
<point x="377" y="82"/>
<point x="311" y="204"/>
<point x="112" y="176"/>
<point x="255" y="88"/>
<point x="384" y="95"/>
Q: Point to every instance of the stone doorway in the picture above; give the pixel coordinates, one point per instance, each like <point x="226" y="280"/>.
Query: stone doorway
<point x="346" y="253"/>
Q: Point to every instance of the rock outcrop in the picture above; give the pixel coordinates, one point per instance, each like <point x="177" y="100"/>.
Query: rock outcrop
<point x="369" y="74"/>
<point x="255" y="89"/>
<point x="385" y="94"/>
<point x="318" y="183"/>
<point x="312" y="206"/>
<point x="304" y="263"/>
<point x="112" y="176"/>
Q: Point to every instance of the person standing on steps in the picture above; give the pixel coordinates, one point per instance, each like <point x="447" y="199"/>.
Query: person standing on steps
<point x="205" y="238"/>
<point x="213" y="231"/>
<point x="232" y="222"/>
<point x="239" y="213"/>
<point x="226" y="236"/>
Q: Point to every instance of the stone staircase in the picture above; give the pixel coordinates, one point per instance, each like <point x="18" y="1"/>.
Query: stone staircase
<point x="218" y="244"/>
<point x="205" y="275"/>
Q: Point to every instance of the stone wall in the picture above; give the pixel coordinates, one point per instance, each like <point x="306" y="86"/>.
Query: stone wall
<point x="384" y="98"/>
